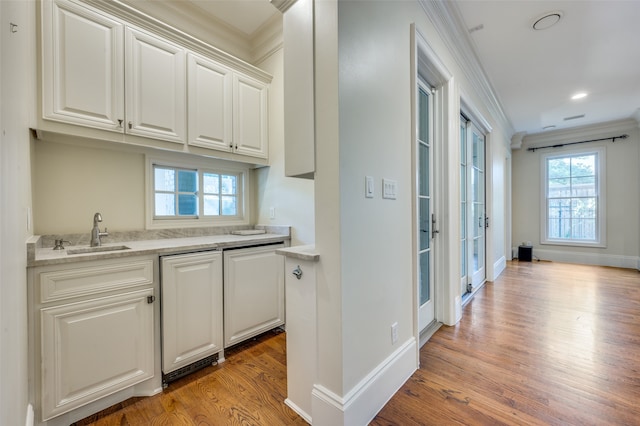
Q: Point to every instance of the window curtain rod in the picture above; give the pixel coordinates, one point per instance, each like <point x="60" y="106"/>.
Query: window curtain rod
<point x="613" y="139"/>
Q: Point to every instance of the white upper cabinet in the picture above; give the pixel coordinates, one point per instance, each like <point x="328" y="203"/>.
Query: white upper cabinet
<point x="155" y="87"/>
<point x="82" y="66"/>
<point x="227" y="110"/>
<point x="107" y="69"/>
<point x="210" y="104"/>
<point x="250" y="130"/>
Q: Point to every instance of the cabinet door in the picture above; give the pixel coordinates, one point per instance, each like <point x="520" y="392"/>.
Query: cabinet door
<point x="250" y="130"/>
<point x="210" y="106"/>
<point x="83" y="71"/>
<point x="253" y="292"/>
<point x="191" y="308"/>
<point x="94" y="348"/>
<point x="155" y="87"/>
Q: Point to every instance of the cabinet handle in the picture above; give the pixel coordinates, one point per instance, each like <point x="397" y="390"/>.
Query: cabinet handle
<point x="297" y="272"/>
<point x="120" y="122"/>
<point x="130" y="125"/>
<point x="151" y="299"/>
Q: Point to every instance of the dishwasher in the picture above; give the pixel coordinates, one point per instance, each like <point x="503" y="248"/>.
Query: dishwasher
<point x="191" y="312"/>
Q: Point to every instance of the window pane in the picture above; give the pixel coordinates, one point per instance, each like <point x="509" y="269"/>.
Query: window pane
<point x="583" y="208"/>
<point x="424" y="169"/>
<point x="187" y="205"/>
<point x="187" y="181"/>
<point x="211" y="183"/>
<point x="228" y="185"/>
<point x="229" y="207"/>
<point x="165" y="205"/>
<point x="559" y="187"/>
<point x="559" y="208"/>
<point x="584" y="165"/>
<point x="164" y="179"/>
<point x="584" y="229"/>
<point x="424" y="278"/>
<point x="559" y="228"/>
<point x="211" y="205"/>
<point x="425" y="222"/>
<point x="423" y="116"/>
<point x="583" y="186"/>
<point x="558" y="167"/>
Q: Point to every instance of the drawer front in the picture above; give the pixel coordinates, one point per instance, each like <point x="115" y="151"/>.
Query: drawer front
<point x="99" y="278"/>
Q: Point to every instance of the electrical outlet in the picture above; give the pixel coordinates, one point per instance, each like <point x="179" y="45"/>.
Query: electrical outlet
<point x="272" y="212"/>
<point x="394" y="332"/>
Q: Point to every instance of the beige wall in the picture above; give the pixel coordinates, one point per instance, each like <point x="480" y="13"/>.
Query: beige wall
<point x="622" y="195"/>
<point x="72" y="182"/>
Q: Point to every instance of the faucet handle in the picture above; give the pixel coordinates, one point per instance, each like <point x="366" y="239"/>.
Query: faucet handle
<point x="59" y="244"/>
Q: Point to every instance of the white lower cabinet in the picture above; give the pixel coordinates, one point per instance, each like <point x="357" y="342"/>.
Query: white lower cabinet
<point x="253" y="292"/>
<point x="94" y="329"/>
<point x="191" y="308"/>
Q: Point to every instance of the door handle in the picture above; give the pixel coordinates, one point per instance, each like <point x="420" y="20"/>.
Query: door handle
<point x="434" y="231"/>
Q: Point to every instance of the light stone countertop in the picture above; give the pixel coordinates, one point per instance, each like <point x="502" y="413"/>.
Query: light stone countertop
<point x="307" y="252"/>
<point x="41" y="256"/>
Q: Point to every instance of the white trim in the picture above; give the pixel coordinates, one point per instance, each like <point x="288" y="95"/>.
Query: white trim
<point x="614" y="260"/>
<point x="306" y="416"/>
<point x="498" y="266"/>
<point x="30" y="418"/>
<point x="361" y="404"/>
<point x="601" y="219"/>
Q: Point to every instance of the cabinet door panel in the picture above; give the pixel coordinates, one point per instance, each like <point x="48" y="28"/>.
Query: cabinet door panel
<point x="210" y="106"/>
<point x="94" y="348"/>
<point x="253" y="292"/>
<point x="191" y="308"/>
<point x="82" y="66"/>
<point x="250" y="131"/>
<point x="156" y="87"/>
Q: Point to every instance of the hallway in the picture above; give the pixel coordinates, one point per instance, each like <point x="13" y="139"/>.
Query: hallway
<point x="546" y="343"/>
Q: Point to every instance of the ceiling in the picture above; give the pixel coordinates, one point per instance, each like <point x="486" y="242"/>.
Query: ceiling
<point x="592" y="49"/>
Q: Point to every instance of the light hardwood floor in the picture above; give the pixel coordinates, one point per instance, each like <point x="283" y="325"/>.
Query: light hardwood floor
<point x="545" y="344"/>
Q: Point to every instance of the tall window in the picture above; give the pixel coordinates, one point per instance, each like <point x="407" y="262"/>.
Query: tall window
<point x="574" y="207"/>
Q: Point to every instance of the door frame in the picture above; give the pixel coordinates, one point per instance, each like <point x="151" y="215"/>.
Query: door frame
<point x="425" y="64"/>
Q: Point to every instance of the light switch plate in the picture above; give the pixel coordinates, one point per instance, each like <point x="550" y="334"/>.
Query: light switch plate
<point x="369" y="189"/>
<point x="389" y="189"/>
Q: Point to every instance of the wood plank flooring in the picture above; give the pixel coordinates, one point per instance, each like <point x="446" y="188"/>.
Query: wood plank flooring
<point x="545" y="344"/>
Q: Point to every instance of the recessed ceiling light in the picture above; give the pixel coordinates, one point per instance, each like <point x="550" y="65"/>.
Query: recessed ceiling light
<point x="546" y="20"/>
<point x="579" y="95"/>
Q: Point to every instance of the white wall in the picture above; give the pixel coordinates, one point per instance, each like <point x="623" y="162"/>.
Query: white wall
<point x="363" y="125"/>
<point x="622" y="195"/>
<point x="16" y="93"/>
<point x="292" y="198"/>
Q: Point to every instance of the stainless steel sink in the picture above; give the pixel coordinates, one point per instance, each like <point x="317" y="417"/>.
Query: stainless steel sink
<point x="99" y="249"/>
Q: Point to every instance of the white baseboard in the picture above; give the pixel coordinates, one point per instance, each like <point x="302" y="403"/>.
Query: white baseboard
<point x="618" y="261"/>
<point x="498" y="267"/>
<point x="298" y="410"/>
<point x="361" y="404"/>
<point x="30" y="418"/>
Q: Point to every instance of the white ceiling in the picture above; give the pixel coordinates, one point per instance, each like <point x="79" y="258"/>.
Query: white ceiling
<point x="594" y="48"/>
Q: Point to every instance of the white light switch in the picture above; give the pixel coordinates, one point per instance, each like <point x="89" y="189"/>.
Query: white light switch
<point x="368" y="187"/>
<point x="389" y="189"/>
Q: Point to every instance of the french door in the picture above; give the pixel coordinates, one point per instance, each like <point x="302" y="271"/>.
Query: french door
<point x="474" y="220"/>
<point x="426" y="220"/>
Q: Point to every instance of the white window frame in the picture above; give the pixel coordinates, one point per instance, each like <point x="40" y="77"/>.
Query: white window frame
<point x="202" y="165"/>
<point x="601" y="240"/>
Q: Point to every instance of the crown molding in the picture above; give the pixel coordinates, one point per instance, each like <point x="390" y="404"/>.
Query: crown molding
<point x="516" y="140"/>
<point x="447" y="20"/>
<point x="282" y="5"/>
<point x="584" y="132"/>
<point x="267" y="39"/>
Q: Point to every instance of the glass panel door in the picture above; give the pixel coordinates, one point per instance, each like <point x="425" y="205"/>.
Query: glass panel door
<point x="426" y="217"/>
<point x="472" y="206"/>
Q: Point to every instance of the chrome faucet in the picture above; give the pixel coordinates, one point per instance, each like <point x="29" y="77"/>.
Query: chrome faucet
<point x="95" y="231"/>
